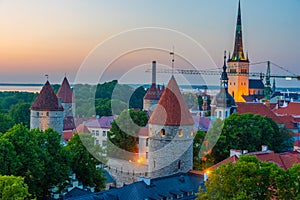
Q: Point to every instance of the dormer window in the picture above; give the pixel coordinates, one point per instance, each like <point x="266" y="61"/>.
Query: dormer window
<point x="163" y="132"/>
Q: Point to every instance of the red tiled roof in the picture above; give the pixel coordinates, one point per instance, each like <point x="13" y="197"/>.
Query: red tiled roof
<point x="69" y="123"/>
<point x="65" y="92"/>
<point x="82" y="129"/>
<point x="171" y="108"/>
<point x="289" y="122"/>
<point x="231" y="159"/>
<point x="293" y="108"/>
<point x="67" y="135"/>
<point x="257" y="108"/>
<point x="46" y="100"/>
<point x="153" y="93"/>
<point x="144" y="131"/>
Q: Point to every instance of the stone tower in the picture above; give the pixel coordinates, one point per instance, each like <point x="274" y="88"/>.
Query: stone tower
<point x="153" y="94"/>
<point x="238" y="65"/>
<point x="65" y="95"/>
<point x="223" y="104"/>
<point x="170" y="134"/>
<point x="47" y="111"/>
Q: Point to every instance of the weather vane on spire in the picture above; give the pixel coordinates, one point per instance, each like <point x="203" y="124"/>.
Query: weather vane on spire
<point x="47" y="76"/>
<point x="173" y="60"/>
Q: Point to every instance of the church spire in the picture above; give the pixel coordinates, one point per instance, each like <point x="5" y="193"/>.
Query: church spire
<point x="224" y="77"/>
<point x="238" y="53"/>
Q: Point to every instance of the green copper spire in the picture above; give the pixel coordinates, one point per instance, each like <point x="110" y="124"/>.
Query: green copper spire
<point x="238" y="53"/>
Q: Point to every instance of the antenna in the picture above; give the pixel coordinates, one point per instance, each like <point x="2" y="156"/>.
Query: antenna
<point x="173" y="59"/>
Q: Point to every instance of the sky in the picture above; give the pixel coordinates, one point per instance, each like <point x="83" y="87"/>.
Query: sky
<point x="99" y="40"/>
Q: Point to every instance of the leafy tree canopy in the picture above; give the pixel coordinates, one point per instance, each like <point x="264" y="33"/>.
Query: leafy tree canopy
<point x="13" y="188"/>
<point x="250" y="178"/>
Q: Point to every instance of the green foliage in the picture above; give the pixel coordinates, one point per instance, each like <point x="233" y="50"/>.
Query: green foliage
<point x="249" y="179"/>
<point x="85" y="156"/>
<point x="250" y="132"/>
<point x="20" y="113"/>
<point x="7" y="99"/>
<point x="37" y="156"/>
<point x="13" y="188"/>
<point x="124" y="132"/>
<point x="105" y="97"/>
<point x="5" y="122"/>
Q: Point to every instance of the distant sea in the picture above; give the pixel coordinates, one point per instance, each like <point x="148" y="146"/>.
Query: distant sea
<point x="37" y="87"/>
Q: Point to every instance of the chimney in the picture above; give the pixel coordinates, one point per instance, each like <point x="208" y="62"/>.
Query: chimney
<point x="235" y="152"/>
<point x="154" y="72"/>
<point x="245" y="151"/>
<point x="264" y="148"/>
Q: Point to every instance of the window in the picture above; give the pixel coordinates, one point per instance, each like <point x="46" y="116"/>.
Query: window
<point x="220" y="114"/>
<point x="93" y="132"/>
<point x="180" y="134"/>
<point x="226" y="113"/>
<point x="147" y="155"/>
<point x="104" y="133"/>
<point x="147" y="142"/>
<point x="179" y="164"/>
<point x="47" y="114"/>
<point x="97" y="141"/>
<point x="37" y="114"/>
<point x="97" y="133"/>
<point x="104" y="143"/>
<point x="150" y="132"/>
<point x="163" y="132"/>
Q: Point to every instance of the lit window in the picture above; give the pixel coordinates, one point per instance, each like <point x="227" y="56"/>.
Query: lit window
<point x="163" y="132"/>
<point x="150" y="132"/>
<point x="180" y="134"/>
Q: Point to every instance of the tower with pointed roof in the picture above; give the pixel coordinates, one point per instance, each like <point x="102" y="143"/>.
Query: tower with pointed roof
<point x="223" y="104"/>
<point x="238" y="65"/>
<point x="170" y="134"/>
<point x="65" y="95"/>
<point x="154" y="92"/>
<point x="46" y="111"/>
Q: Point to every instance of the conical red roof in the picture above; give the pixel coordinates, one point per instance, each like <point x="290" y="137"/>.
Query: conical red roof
<point x="46" y="100"/>
<point x="171" y="108"/>
<point x="65" y="92"/>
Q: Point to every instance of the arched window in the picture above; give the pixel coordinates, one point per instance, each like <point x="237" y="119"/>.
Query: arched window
<point x="163" y="132"/>
<point x="180" y="133"/>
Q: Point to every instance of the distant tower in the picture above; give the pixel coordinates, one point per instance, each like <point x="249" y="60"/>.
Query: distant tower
<point x="47" y="111"/>
<point x="65" y="94"/>
<point x="153" y="94"/>
<point x="223" y="104"/>
<point x="238" y="65"/>
<point x="170" y="134"/>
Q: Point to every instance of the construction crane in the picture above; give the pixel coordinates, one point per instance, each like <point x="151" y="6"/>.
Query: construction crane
<point x="267" y="75"/>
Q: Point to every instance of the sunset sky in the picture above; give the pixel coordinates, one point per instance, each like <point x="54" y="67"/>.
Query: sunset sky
<point x="55" y="37"/>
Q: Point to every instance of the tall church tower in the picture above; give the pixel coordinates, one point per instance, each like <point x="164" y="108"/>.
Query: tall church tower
<point x="223" y="104"/>
<point x="46" y="111"/>
<point x="65" y="95"/>
<point x="170" y="134"/>
<point x="238" y="65"/>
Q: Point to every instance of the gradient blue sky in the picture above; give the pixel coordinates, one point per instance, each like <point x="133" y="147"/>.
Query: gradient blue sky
<point x="54" y="37"/>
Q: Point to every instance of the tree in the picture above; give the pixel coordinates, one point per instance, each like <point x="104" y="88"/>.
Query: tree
<point x="20" y="113"/>
<point x="13" y="188"/>
<point x="37" y="156"/>
<point x="124" y="132"/>
<point x="85" y="156"/>
<point x="136" y="99"/>
<point x="5" y="122"/>
<point x="250" y="132"/>
<point x="248" y="178"/>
